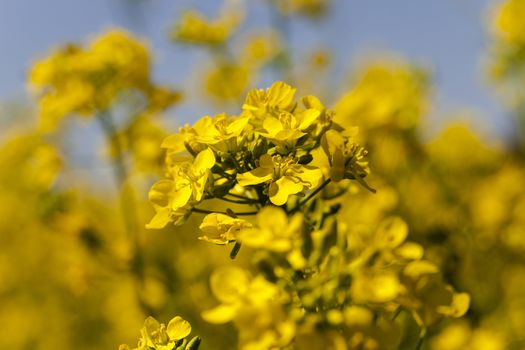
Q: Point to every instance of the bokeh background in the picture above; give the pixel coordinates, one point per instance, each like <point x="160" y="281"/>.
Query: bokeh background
<point x="443" y="116"/>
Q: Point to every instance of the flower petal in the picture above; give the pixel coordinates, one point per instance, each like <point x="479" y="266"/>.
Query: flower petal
<point x="178" y="328"/>
<point x="281" y="189"/>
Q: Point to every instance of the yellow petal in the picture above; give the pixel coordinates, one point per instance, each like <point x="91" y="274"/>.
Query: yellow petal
<point x="459" y="306"/>
<point x="151" y="325"/>
<point x="266" y="161"/>
<point x="174" y="142"/>
<point x="229" y="283"/>
<point x="308" y="117"/>
<point x="255" y="176"/>
<point x="391" y="232"/>
<point x="237" y="126"/>
<point x="410" y="250"/>
<point x="159" y="194"/>
<point x="272" y="125"/>
<point x="272" y="218"/>
<point x="220" y="314"/>
<point x="181" y="197"/>
<point x="281" y="95"/>
<point x="311" y="176"/>
<point x="178" y="328"/>
<point x="312" y="102"/>
<point x="283" y="188"/>
<point x="205" y="160"/>
<point x="160" y="220"/>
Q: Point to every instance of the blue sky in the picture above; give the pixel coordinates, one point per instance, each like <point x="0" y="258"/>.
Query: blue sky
<point x="449" y="36"/>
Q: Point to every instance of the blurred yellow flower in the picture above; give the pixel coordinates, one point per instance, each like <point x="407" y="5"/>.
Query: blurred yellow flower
<point x="194" y="28"/>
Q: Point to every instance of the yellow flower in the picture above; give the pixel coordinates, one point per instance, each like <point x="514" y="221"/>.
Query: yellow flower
<point x="392" y="94"/>
<point x="261" y="49"/>
<point x="160" y="337"/>
<point x="310" y="8"/>
<point x="155" y="335"/>
<point x="347" y="159"/>
<point x="276" y="99"/>
<point x="429" y="298"/>
<point x="287" y="128"/>
<point x="255" y="305"/>
<point x="228" y="81"/>
<point x="508" y="21"/>
<point x="170" y="198"/>
<point x="87" y="80"/>
<point x="275" y="231"/>
<point x="221" y="132"/>
<point x="284" y="175"/>
<point x="222" y="229"/>
<point x="194" y="28"/>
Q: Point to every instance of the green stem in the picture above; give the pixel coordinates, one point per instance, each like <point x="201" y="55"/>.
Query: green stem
<point x="421" y="339"/>
<point x="204" y="211"/>
<point x="249" y="202"/>
<point x="127" y="202"/>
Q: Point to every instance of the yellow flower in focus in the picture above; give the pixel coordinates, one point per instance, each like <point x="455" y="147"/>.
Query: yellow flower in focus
<point x="276" y="99"/>
<point x="222" y="229"/>
<point x="284" y="175"/>
<point x="346" y="158"/>
<point x="221" y="132"/>
<point x="171" y="198"/>
<point x="155" y="335"/>
<point x="287" y="128"/>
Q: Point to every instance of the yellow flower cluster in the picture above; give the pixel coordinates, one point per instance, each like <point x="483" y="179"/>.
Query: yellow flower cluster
<point x="506" y="53"/>
<point x="194" y="28"/>
<point x="86" y="81"/>
<point x="155" y="335"/>
<point x="508" y="22"/>
<point x="258" y="158"/>
<point x="310" y="8"/>
<point x="320" y="275"/>
<point x="402" y="102"/>
<point x="337" y="283"/>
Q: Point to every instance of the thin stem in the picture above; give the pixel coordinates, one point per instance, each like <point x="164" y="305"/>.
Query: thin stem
<point x="127" y="202"/>
<point x="240" y="197"/>
<point x="204" y="211"/>
<point x="120" y="172"/>
<point x="249" y="202"/>
<point x="119" y="167"/>
<point x="311" y="195"/>
<point x="421" y="339"/>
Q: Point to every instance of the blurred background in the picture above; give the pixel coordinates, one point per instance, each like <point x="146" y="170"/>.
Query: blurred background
<point x="435" y="88"/>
